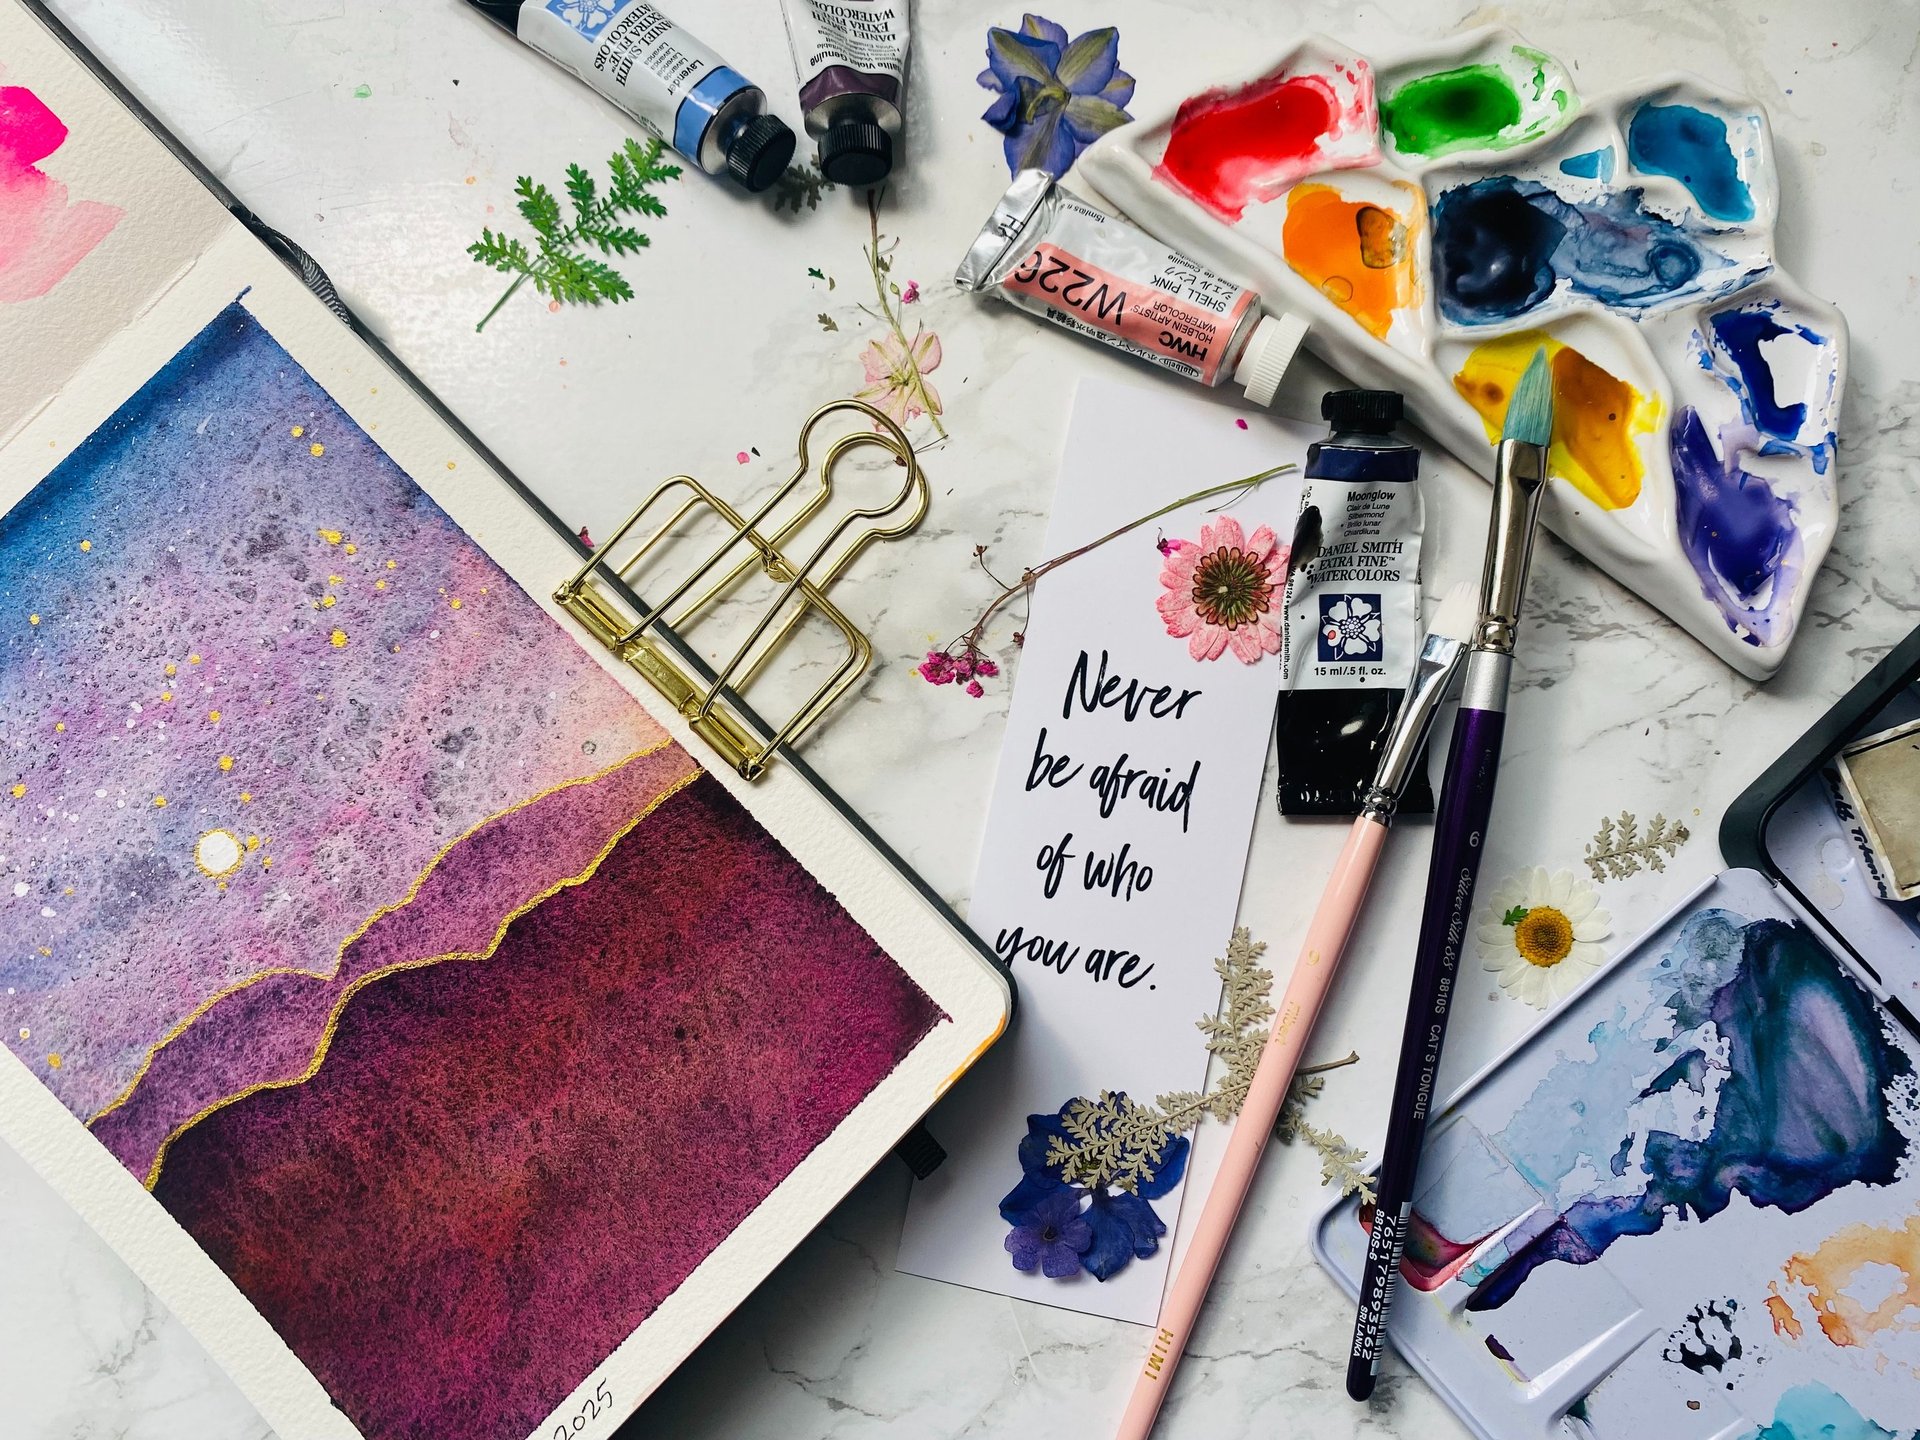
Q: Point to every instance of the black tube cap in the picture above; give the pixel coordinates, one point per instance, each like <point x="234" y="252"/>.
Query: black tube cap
<point x="856" y="153"/>
<point x="761" y="151"/>
<point x="1362" y="412"/>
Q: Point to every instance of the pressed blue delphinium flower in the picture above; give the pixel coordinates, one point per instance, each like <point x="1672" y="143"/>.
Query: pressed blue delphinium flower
<point x="1120" y="1225"/>
<point x="1057" y="96"/>
<point x="1052" y="1237"/>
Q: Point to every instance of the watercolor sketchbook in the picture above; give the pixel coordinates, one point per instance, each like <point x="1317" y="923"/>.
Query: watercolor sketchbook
<point x="1688" y="1205"/>
<point x="1439" y="214"/>
<point x="386" y="974"/>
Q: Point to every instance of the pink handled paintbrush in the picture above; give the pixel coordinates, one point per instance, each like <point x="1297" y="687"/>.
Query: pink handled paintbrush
<point x="1299" y="1008"/>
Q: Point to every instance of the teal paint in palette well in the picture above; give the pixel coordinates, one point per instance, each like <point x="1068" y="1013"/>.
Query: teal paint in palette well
<point x="1694" y="148"/>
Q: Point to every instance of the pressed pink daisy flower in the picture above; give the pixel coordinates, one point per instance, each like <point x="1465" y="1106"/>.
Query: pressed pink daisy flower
<point x="1223" y="592"/>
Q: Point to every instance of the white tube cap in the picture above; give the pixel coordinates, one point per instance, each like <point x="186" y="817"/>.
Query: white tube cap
<point x="1270" y="350"/>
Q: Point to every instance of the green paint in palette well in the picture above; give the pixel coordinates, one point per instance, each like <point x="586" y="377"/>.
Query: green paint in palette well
<point x="1468" y="108"/>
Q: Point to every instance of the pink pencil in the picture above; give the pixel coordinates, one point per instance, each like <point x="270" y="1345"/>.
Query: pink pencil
<point x="1299" y="1008"/>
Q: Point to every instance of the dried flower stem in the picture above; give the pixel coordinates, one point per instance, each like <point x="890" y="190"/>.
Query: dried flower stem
<point x="881" y="265"/>
<point x="973" y="640"/>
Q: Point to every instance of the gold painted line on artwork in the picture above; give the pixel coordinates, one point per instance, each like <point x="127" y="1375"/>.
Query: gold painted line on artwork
<point x="359" y="984"/>
<point x="340" y="955"/>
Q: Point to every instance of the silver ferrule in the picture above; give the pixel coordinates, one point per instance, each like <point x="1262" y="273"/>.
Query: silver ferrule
<point x="1432" y="675"/>
<point x="1488" y="678"/>
<point x="1520" y="480"/>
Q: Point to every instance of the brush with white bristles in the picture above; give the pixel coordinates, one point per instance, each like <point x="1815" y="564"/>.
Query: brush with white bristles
<point x="1313" y="972"/>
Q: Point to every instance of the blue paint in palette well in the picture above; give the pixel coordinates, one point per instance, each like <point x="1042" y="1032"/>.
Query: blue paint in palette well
<point x="1590" y="164"/>
<point x="1502" y="246"/>
<point x="1693" y="147"/>
<point x="1740" y="338"/>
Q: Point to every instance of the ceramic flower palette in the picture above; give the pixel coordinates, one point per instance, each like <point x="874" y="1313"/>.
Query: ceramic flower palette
<point x="1440" y="215"/>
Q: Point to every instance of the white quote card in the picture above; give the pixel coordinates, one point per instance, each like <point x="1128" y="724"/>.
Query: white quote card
<point x="1129" y="778"/>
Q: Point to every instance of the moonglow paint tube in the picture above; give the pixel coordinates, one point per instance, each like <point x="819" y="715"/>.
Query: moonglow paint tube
<point x="1048" y="252"/>
<point x="1353" y="624"/>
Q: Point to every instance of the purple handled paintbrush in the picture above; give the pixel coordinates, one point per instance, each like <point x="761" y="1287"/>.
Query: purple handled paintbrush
<point x="1460" y="829"/>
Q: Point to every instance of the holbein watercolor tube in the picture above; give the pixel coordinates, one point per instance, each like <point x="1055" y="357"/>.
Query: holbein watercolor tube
<point x="677" y="88"/>
<point x="1353" y="609"/>
<point x="851" y="56"/>
<point x="1051" y="254"/>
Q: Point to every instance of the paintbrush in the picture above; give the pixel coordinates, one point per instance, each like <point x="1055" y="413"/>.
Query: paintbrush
<point x="1313" y="972"/>
<point x="1460" y="830"/>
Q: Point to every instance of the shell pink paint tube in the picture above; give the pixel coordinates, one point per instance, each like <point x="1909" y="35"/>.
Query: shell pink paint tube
<point x="1051" y="254"/>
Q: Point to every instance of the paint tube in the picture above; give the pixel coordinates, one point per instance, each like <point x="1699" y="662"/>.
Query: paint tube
<point x="851" y="56"/>
<point x="1050" y="253"/>
<point x="678" y="89"/>
<point x="1352" y="609"/>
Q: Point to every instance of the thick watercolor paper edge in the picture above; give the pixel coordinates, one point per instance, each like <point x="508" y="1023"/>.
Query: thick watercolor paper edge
<point x="939" y="959"/>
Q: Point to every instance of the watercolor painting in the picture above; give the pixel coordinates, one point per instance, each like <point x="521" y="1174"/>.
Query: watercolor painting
<point x="43" y="233"/>
<point x="339" y="870"/>
<point x="1687" y="1206"/>
<point x="1439" y="215"/>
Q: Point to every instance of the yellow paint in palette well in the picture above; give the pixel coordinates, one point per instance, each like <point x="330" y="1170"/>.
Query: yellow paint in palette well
<point x="1597" y="416"/>
<point x="1358" y="254"/>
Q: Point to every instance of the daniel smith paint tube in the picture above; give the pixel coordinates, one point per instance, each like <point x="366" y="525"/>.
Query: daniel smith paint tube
<point x="1051" y="254"/>
<point x="1352" y="609"/>
<point x="663" y="77"/>
<point x="852" y="59"/>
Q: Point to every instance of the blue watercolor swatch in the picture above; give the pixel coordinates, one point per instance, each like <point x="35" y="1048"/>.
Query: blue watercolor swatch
<point x="1502" y="245"/>
<point x="1813" y="1412"/>
<point x="1693" y="147"/>
<point x="1801" y="1110"/>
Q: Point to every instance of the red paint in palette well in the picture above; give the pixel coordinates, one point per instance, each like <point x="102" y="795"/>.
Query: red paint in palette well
<point x="1228" y="150"/>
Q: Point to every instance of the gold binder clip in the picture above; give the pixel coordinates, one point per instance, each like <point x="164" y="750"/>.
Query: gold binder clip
<point x="600" y="594"/>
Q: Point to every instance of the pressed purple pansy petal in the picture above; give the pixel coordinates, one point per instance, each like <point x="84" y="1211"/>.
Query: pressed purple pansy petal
<point x="1000" y="114"/>
<point x="1091" y="117"/>
<point x="1089" y="62"/>
<point x="1041" y="28"/>
<point x="1013" y="57"/>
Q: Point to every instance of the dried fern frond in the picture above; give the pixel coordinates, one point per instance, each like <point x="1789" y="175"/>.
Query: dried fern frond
<point x="1618" y="849"/>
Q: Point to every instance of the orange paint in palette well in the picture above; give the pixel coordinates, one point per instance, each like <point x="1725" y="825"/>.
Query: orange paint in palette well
<point x="1359" y="255"/>
<point x="1597" y="416"/>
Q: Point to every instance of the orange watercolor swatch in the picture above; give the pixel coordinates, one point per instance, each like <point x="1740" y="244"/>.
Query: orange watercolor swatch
<point x="1833" y="1270"/>
<point x="1359" y="255"/>
<point x="1596" y="415"/>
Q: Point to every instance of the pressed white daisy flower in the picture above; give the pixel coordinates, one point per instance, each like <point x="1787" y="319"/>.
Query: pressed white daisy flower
<point x="1540" y="934"/>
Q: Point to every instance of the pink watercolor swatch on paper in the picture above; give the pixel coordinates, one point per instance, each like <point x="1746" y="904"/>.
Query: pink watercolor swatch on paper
<point x="42" y="237"/>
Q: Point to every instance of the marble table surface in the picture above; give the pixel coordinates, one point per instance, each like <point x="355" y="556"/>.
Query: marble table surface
<point x="383" y="136"/>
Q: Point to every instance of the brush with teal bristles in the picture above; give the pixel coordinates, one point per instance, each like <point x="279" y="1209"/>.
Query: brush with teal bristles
<point x="1459" y="840"/>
